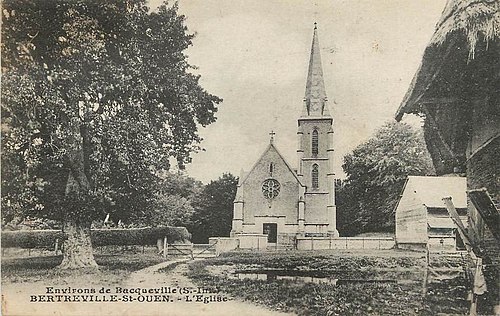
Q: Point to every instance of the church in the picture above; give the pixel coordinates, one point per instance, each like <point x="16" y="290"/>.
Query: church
<point x="281" y="202"/>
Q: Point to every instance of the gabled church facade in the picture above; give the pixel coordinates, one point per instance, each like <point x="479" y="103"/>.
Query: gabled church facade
<point x="281" y="202"/>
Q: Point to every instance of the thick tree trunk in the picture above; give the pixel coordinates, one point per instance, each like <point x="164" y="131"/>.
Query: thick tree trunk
<point x="78" y="215"/>
<point x="78" y="247"/>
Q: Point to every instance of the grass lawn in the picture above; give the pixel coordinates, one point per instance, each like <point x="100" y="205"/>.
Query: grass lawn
<point x="398" y="292"/>
<point x="113" y="269"/>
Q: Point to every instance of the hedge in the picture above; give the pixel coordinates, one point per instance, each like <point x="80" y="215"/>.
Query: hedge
<point x="31" y="238"/>
<point x="138" y="236"/>
<point x="100" y="237"/>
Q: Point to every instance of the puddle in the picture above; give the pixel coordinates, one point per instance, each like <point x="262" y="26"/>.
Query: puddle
<point x="301" y="276"/>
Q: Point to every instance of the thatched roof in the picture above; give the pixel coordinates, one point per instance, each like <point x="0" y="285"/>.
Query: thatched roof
<point x="477" y="19"/>
<point x="463" y="25"/>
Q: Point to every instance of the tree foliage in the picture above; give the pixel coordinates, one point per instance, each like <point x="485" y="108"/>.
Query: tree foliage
<point x="97" y="96"/>
<point x="376" y="171"/>
<point x="116" y="69"/>
<point x="213" y="212"/>
<point x="174" y="202"/>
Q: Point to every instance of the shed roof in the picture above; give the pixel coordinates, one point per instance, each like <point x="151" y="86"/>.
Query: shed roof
<point x="440" y="222"/>
<point x="431" y="190"/>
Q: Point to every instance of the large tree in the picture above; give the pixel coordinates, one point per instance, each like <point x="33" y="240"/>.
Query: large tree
<point x="97" y="96"/>
<point x="376" y="171"/>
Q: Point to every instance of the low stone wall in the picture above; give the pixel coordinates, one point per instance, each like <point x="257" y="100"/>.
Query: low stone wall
<point x="253" y="241"/>
<point x="224" y="244"/>
<point x="318" y="243"/>
<point x="412" y="246"/>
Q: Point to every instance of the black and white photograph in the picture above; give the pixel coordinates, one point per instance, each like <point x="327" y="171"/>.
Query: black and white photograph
<point x="250" y="157"/>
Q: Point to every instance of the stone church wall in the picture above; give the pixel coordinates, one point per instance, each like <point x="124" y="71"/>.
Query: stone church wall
<point x="321" y="158"/>
<point x="322" y="127"/>
<point x="316" y="208"/>
<point x="285" y="204"/>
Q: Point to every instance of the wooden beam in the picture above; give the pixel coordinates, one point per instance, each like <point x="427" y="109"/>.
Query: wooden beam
<point x="460" y="226"/>
<point x="435" y="126"/>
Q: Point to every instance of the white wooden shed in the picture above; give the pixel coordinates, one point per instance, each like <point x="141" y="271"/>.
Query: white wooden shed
<point x="421" y="216"/>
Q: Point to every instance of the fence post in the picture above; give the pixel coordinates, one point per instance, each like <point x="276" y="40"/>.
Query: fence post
<point x="363" y="243"/>
<point x="330" y="245"/>
<point x="159" y="245"/>
<point x="165" y="247"/>
<point x="56" y="246"/>
<point x="312" y="243"/>
<point x="345" y="242"/>
<point x="426" y="271"/>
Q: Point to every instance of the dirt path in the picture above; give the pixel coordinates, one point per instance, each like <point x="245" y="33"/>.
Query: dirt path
<point x="150" y="277"/>
<point x="17" y="297"/>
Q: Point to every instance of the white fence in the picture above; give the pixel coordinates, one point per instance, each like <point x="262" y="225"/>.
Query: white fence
<point x="318" y="243"/>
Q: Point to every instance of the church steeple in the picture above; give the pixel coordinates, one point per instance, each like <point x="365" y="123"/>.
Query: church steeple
<point x="315" y="97"/>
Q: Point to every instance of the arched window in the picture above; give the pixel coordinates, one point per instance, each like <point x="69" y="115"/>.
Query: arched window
<point x="315" y="176"/>
<point x="314" y="143"/>
<point x="271" y="168"/>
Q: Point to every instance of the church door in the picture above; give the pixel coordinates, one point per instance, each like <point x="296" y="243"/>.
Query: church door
<point x="271" y="230"/>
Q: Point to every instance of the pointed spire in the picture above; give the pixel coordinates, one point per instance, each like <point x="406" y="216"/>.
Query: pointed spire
<point x="315" y="97"/>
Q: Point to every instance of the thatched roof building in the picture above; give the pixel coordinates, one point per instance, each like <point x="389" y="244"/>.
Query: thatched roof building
<point x="458" y="81"/>
<point x="457" y="92"/>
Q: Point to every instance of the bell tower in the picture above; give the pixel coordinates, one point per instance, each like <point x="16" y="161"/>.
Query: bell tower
<point x="315" y="150"/>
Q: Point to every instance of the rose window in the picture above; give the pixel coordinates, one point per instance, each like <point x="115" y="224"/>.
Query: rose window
<point x="271" y="188"/>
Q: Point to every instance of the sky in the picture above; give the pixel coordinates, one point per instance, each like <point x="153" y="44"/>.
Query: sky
<point x="254" y="55"/>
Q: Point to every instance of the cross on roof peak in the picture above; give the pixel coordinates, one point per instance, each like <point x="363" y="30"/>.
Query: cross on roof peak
<point x="272" y="133"/>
